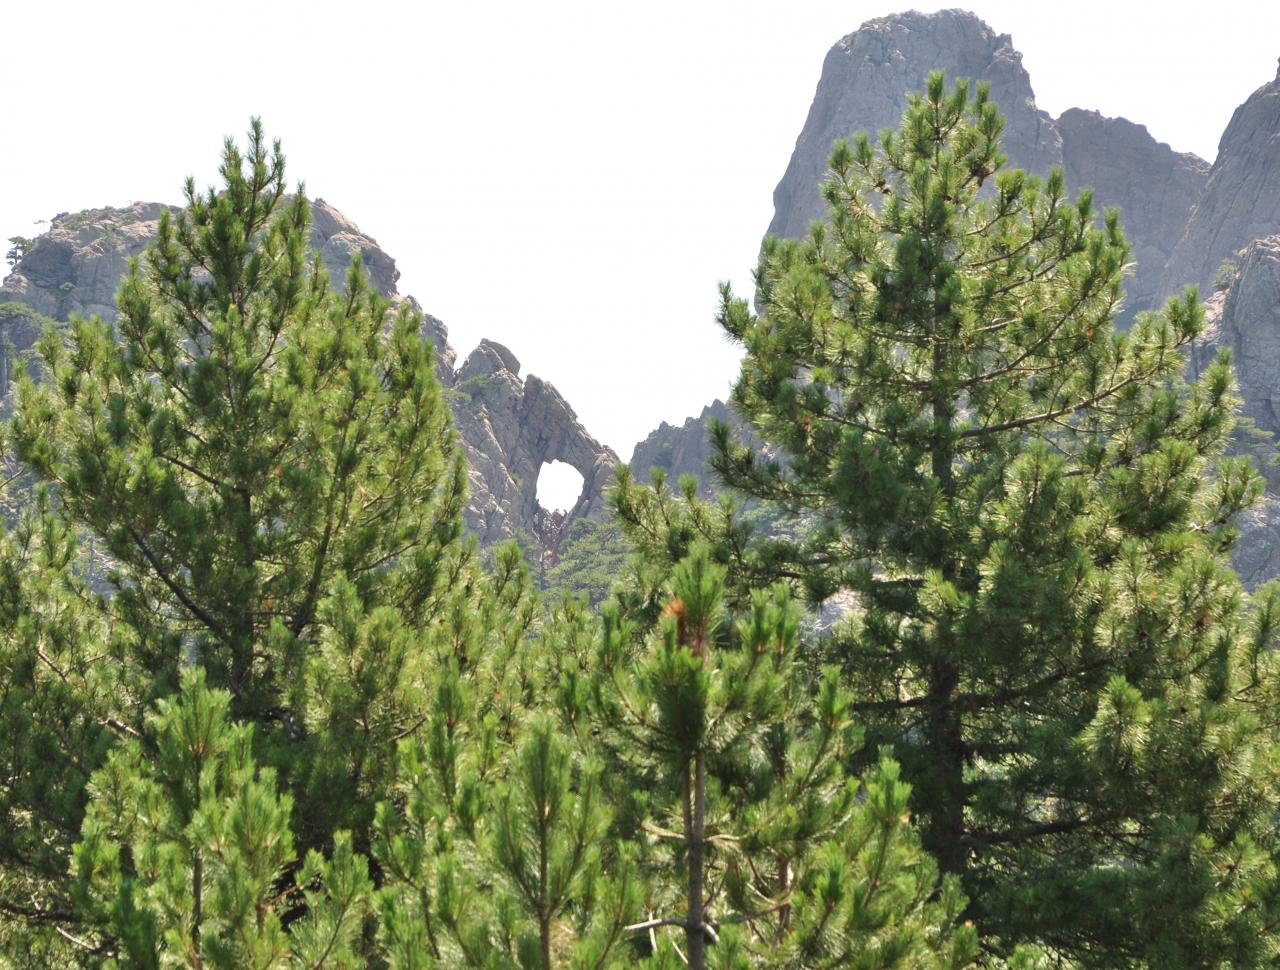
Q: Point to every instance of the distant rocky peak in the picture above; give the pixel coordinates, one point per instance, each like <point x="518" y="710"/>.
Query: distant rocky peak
<point x="866" y="78"/>
<point x="1241" y="201"/>
<point x="682" y="450"/>
<point x="865" y="82"/>
<point x="488" y="358"/>
<point x="339" y="240"/>
<point x="513" y="428"/>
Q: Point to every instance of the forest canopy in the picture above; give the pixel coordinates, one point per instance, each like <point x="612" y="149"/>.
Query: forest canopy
<point x="265" y="703"/>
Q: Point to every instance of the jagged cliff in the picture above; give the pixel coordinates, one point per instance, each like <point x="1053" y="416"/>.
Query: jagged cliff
<point x="684" y="449"/>
<point x="864" y="86"/>
<point x="1154" y="187"/>
<point x="1244" y="317"/>
<point x="1241" y="201"/>
<point x="1182" y="216"/>
<point x="508" y="426"/>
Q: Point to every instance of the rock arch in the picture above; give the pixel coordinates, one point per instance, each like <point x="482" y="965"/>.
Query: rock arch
<point x="511" y="427"/>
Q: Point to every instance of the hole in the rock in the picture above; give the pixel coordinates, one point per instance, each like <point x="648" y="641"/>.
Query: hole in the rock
<point x="559" y="486"/>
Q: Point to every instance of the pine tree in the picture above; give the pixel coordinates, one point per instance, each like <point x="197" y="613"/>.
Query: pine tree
<point x="759" y="849"/>
<point x="269" y="465"/>
<point x="265" y="465"/>
<point x="63" y="703"/>
<point x="492" y="864"/>
<point x="592" y="557"/>
<point x="186" y="857"/>
<point x="694" y="782"/>
<point x="1034" y="515"/>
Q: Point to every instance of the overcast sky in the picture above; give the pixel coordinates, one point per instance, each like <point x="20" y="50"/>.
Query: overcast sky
<point x="570" y="179"/>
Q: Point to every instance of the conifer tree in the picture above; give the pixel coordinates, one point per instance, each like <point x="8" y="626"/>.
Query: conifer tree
<point x="691" y="804"/>
<point x="268" y="462"/>
<point x="492" y="864"/>
<point x="490" y="841"/>
<point x="186" y="852"/>
<point x="62" y="704"/>
<point x="266" y="465"/>
<point x="1033" y="512"/>
<point x="761" y="850"/>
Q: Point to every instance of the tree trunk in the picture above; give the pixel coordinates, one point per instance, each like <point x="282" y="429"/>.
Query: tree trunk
<point x="197" y="908"/>
<point x="694" y="825"/>
<point x="944" y="836"/>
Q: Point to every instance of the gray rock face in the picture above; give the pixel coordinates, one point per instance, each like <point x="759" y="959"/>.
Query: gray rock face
<point x="508" y="427"/>
<point x="511" y="428"/>
<point x="1154" y="188"/>
<point x="75" y="267"/>
<point x="20" y="328"/>
<point x="1241" y="201"/>
<point x="683" y="450"/>
<point x="339" y="241"/>
<point x="1245" y="319"/>
<point x="865" y="81"/>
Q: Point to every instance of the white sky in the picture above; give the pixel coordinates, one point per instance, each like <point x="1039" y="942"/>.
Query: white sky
<point x="570" y="179"/>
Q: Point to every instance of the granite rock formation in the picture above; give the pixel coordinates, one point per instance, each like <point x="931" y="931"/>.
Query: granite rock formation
<point x="682" y="450"/>
<point x="864" y="86"/>
<point x="508" y="427"/>
<point x="511" y="428"/>
<point x="1153" y="187"/>
<point x="1241" y="201"/>
<point x="1244" y="318"/>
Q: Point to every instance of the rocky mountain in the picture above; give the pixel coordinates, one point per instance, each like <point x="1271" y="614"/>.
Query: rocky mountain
<point x="1241" y="200"/>
<point x="509" y="426"/>
<point x="1182" y="216"/>
<point x="1244" y="317"/>
<point x="864" y="85"/>
<point x="1154" y="187"/>
<point x="868" y="75"/>
<point x="682" y="450"/>
<point x="510" y="429"/>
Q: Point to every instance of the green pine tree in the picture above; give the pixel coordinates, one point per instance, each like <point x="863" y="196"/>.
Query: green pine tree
<point x="1033" y="513"/>
<point x="694" y="783"/>
<point x="265" y="466"/>
<point x="187" y="857"/>
<point x="66" y="697"/>
<point x="268" y="463"/>
<point x="498" y="858"/>
<point x="758" y="849"/>
<point x="592" y="557"/>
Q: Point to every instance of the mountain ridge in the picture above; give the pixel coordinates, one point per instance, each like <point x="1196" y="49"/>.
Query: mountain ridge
<point x="508" y="426"/>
